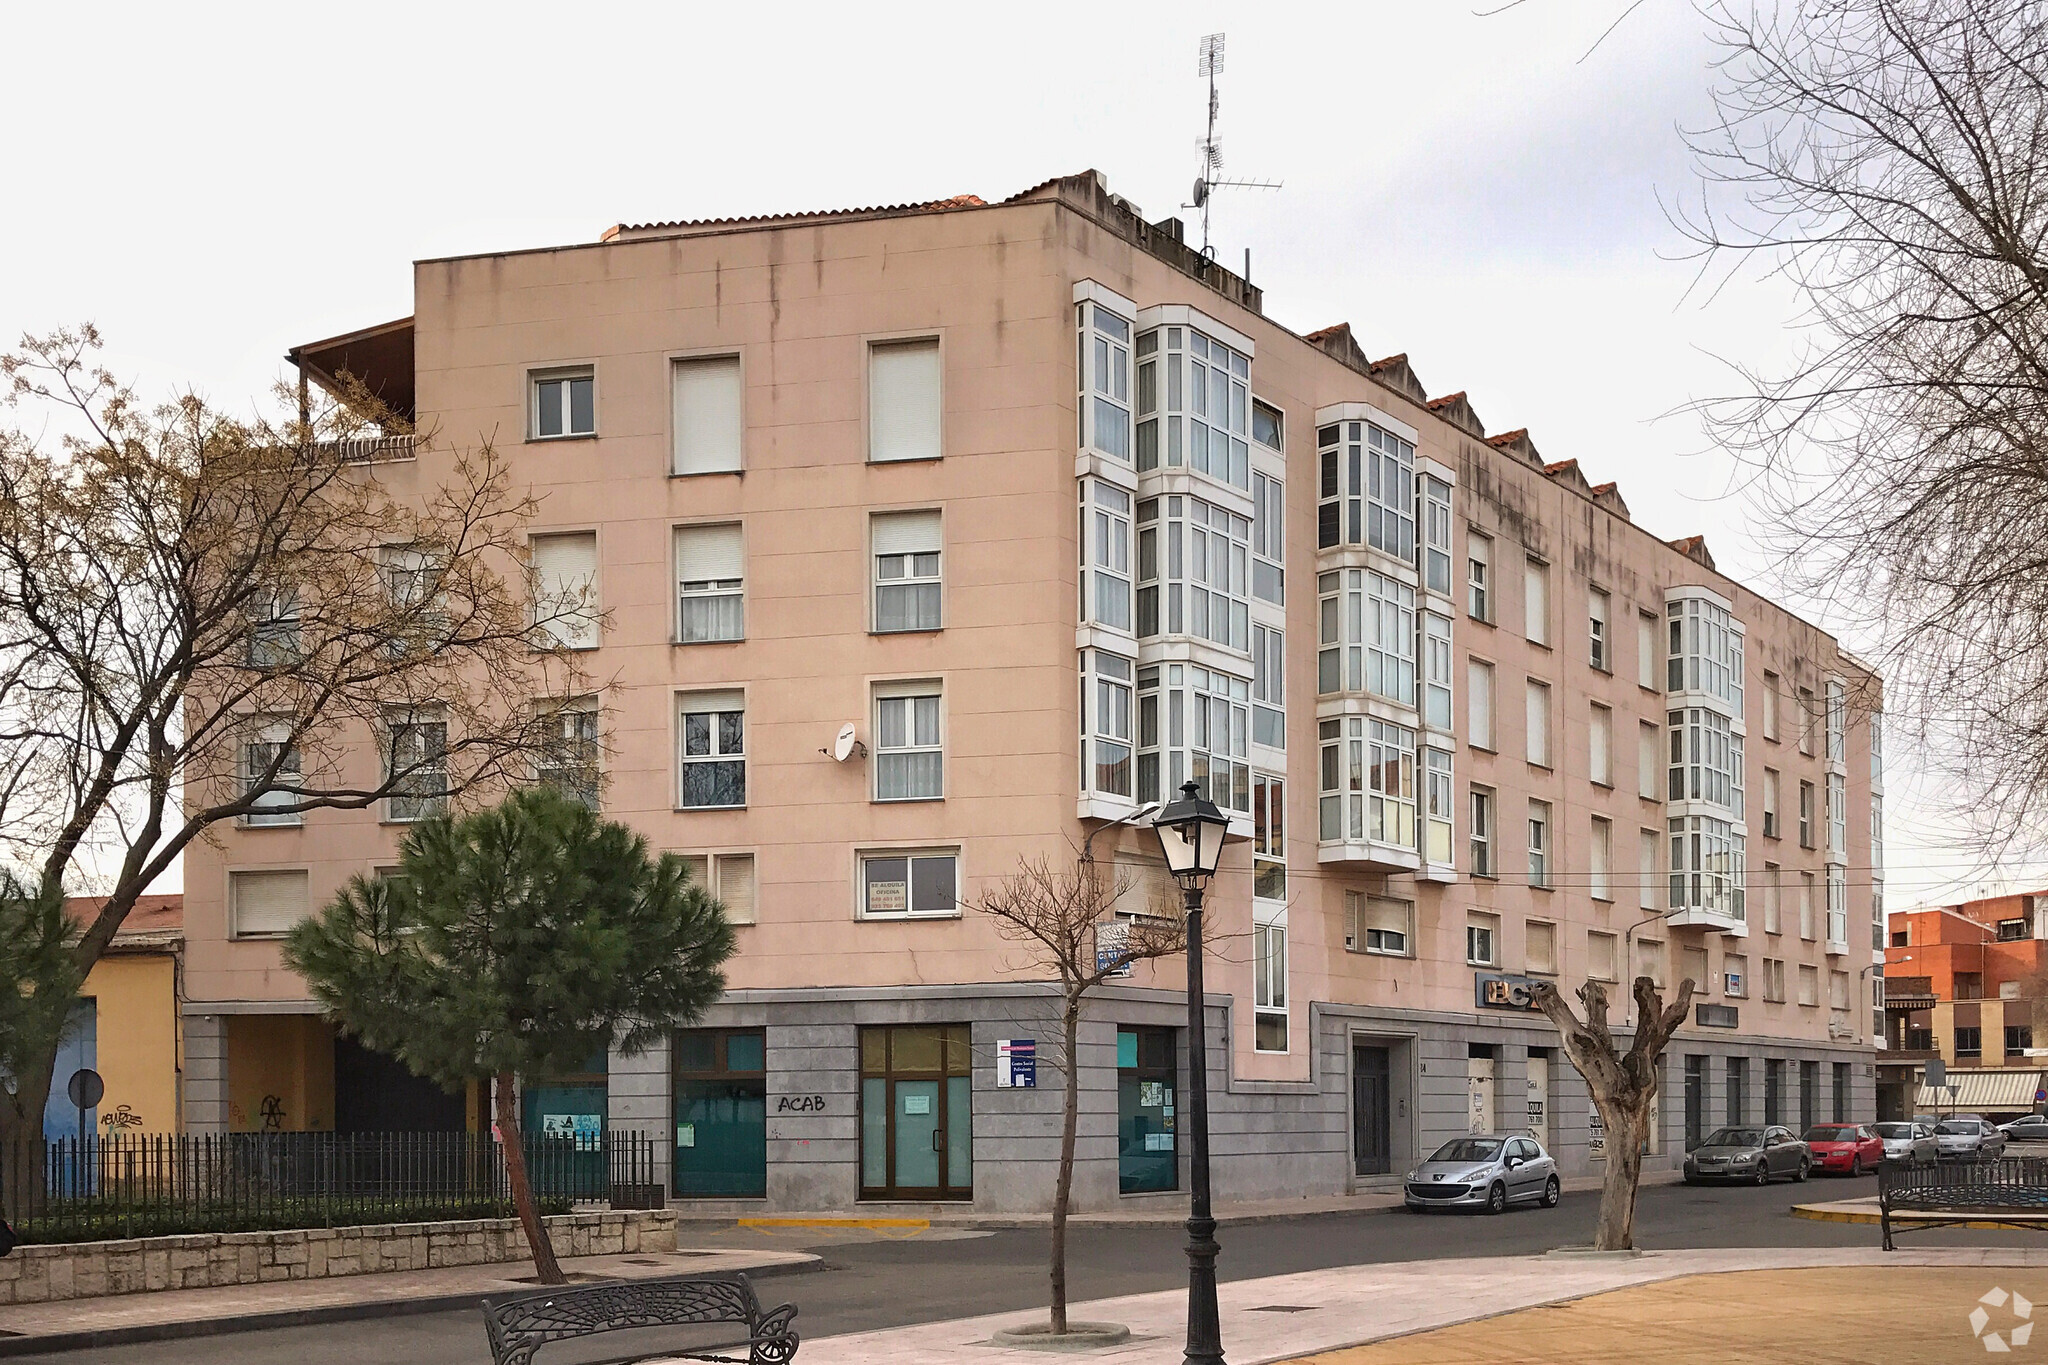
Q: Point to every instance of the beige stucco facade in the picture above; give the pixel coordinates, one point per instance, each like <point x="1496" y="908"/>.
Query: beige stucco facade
<point x="1002" y="289"/>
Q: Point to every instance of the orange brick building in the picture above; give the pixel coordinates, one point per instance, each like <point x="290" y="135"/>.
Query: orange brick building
<point x="1961" y="985"/>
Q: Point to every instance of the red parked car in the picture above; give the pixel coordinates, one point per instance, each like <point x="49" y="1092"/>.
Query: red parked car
<point x="1845" y="1148"/>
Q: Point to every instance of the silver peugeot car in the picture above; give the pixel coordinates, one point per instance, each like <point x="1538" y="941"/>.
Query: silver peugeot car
<point x="1484" y="1171"/>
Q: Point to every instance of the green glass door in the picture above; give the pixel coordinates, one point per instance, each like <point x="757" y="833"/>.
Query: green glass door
<point x="721" y="1112"/>
<point x="1147" y="1129"/>
<point x="563" y="1120"/>
<point x="917" y="1113"/>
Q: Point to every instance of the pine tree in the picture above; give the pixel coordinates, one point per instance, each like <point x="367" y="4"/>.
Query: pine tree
<point x="516" y="941"/>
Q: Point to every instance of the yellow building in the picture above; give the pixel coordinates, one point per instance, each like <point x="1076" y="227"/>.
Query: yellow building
<point x="126" y="1026"/>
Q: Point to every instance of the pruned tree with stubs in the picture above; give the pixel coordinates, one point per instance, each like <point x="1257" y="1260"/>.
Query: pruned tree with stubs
<point x="1623" y="1085"/>
<point x="515" y="942"/>
<point x="208" y="618"/>
<point x="1065" y="921"/>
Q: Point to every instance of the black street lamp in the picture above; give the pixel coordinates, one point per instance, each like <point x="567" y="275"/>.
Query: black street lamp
<point x="1191" y="834"/>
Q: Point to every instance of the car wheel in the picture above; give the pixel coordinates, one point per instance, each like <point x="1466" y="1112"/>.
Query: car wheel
<point x="1691" y="1181"/>
<point x="1552" y="1192"/>
<point x="1762" y="1174"/>
<point x="1800" y="1175"/>
<point x="1856" y="1166"/>
<point x="1497" y="1198"/>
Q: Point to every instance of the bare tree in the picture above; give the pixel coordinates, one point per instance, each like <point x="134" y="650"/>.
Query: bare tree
<point x="205" y="619"/>
<point x="1887" y="159"/>
<point x="1058" y="916"/>
<point x="1623" y="1085"/>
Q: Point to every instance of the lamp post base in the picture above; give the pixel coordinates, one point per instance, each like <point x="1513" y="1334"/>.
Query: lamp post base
<point x="1205" y="1330"/>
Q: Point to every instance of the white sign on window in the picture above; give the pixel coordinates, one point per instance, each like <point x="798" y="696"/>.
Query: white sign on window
<point x="889" y="896"/>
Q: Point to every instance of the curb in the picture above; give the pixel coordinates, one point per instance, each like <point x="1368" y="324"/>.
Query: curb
<point x="184" y="1330"/>
<point x="1821" y="1213"/>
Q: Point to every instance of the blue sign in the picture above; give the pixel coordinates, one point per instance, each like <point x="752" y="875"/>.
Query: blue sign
<point x="1017" y="1063"/>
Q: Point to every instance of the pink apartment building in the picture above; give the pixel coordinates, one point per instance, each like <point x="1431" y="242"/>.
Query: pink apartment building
<point x="1040" y="501"/>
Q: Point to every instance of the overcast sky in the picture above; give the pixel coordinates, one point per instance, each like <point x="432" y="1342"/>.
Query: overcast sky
<point x="214" y="185"/>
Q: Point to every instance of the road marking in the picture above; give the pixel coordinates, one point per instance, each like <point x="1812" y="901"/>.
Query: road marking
<point x="917" y="1224"/>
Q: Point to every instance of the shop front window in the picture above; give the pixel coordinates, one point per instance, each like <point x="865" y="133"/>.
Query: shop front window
<point x="916" y="1113"/>
<point x="1148" y="1154"/>
<point x="721" y="1090"/>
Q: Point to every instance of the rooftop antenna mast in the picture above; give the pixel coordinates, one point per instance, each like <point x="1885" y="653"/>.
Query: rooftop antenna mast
<point x="1209" y="63"/>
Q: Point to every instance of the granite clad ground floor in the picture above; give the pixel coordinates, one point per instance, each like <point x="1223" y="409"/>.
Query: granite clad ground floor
<point x="816" y="1100"/>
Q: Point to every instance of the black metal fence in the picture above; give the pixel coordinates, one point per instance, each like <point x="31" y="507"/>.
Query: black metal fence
<point x="130" y="1185"/>
<point x="2007" y="1192"/>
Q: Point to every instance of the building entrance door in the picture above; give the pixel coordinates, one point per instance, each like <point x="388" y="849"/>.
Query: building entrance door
<point x="1372" y="1129"/>
<point x="721" y="1103"/>
<point x="1479" y="1083"/>
<point x="916" y="1113"/>
<point x="1539" y="1100"/>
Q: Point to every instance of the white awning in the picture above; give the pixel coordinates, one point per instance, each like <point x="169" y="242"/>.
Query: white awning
<point x="1987" y="1090"/>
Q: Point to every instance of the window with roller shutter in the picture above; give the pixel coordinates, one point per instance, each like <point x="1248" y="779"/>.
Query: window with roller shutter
<point x="708" y="415"/>
<point x="710" y="584"/>
<point x="267" y="904"/>
<point x="907" y="565"/>
<point x="565" y="603"/>
<point x="904" y="401"/>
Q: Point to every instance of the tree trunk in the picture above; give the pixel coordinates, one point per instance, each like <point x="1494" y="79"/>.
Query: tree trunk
<point x="507" y="1105"/>
<point x="1063" y="1187"/>
<point x="1626" y="1125"/>
<point x="21" y="1134"/>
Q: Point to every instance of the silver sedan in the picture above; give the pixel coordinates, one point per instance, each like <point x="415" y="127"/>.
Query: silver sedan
<point x="1485" y="1171"/>
<point x="1909" y="1144"/>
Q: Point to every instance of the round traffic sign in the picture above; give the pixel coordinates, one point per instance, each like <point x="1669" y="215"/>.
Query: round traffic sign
<point x="85" y="1088"/>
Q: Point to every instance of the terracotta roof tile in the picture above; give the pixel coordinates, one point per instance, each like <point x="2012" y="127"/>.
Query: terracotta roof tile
<point x="149" y="915"/>
<point x="1438" y="403"/>
<point x="958" y="201"/>
<point x="1560" y="466"/>
<point x="1508" y="438"/>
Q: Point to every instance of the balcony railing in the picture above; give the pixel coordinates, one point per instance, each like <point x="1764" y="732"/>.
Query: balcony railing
<point x="372" y="449"/>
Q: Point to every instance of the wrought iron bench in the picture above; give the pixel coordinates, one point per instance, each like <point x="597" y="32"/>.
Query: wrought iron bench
<point x="2011" y="1192"/>
<point x="520" y="1326"/>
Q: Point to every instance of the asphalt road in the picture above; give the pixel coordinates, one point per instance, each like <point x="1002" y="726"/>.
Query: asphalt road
<point x="873" y="1281"/>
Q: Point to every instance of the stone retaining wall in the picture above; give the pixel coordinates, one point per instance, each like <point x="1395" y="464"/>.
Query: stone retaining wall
<point x="78" y="1270"/>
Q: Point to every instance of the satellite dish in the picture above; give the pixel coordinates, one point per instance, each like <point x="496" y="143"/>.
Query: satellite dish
<point x="843" y="746"/>
<point x="1201" y="191"/>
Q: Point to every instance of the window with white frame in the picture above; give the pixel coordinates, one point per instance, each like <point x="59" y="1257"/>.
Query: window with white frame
<point x="1705" y="650"/>
<point x="1368" y="781"/>
<point x="1538" y="723"/>
<point x="565" y="590"/>
<point x="1269" y="522"/>
<point x="1838" y="817"/>
<point x="1706" y="867"/>
<point x="1807" y="912"/>
<point x="1838" y="906"/>
<point x="1479" y="576"/>
<point x="1809" y="985"/>
<point x="1106" y="564"/>
<point x="1367" y="492"/>
<point x="1539" y="947"/>
<point x="1876" y="748"/>
<point x="274" y="628"/>
<point x="1772" y="891"/>
<point x="710" y="584"/>
<point x="1771" y="830"/>
<point x="1379" y="924"/>
<point x="1150" y="366"/>
<point x="1806" y="818"/>
<point x="1600" y="744"/>
<point x="1649" y="653"/>
<point x="412" y="582"/>
<point x="564" y="403"/>
<point x="1539" y="843"/>
<point x="1773" y="684"/>
<point x="729" y="879"/>
<point x="270" y="774"/>
<point x="1436" y="534"/>
<point x="1536" y="601"/>
<point x="910" y="884"/>
<point x="568" y="756"/>
<point x="1482" y="939"/>
<point x="907" y="570"/>
<point x="1201" y="551"/>
<point x="1269" y="985"/>
<point x="1269" y="838"/>
<point x="705" y="391"/>
<point x="1438" y="796"/>
<point x="1706" y="759"/>
<point x="1482" y="832"/>
<point x="1599" y="644"/>
<point x="1837" y="721"/>
<point x="1774" y="980"/>
<point x="1269" y="690"/>
<point x="415" y="762"/>
<point x="1877" y="834"/>
<point x="1603" y="954"/>
<point x="1807" y="706"/>
<point x="1436" y="671"/>
<point x="1649" y="882"/>
<point x="267" y="904"/>
<point x="1105" y="380"/>
<point x="1649" y="762"/>
<point x="1650" y="959"/>
<point x="1199" y="388"/>
<point x="910" y="762"/>
<point x="1194" y="724"/>
<point x="1479" y="703"/>
<point x="1108" y="719"/>
<point x="712" y="729"/>
<point x="1269" y="426"/>
<point x="1388" y="614"/>
<point x="1600" y="859"/>
<point x="1734" y="975"/>
<point x="905" y="400"/>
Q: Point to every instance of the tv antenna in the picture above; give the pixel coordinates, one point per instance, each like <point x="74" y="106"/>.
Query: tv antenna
<point x="1209" y="62"/>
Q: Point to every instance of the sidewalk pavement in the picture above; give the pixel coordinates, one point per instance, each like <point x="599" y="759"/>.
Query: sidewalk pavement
<point x="1295" y="1317"/>
<point x="76" y="1324"/>
<point x="1136" y="1211"/>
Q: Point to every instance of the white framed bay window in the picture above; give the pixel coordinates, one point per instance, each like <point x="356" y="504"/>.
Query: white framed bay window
<point x="1106" y="720"/>
<point x="1105" y="555"/>
<point x="710" y="584"/>
<point x="910" y="762"/>
<point x="907" y="578"/>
